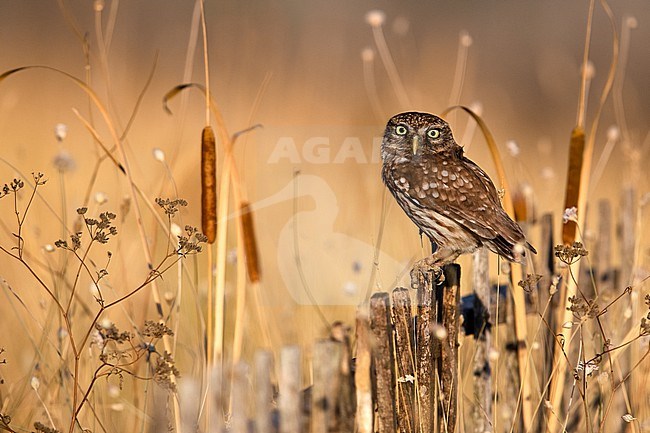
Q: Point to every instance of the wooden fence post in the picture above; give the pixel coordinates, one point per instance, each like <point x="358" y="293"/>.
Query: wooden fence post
<point x="482" y="410"/>
<point x="403" y="319"/>
<point x="424" y="356"/>
<point x="289" y="401"/>
<point x="384" y="362"/>
<point x="327" y="385"/>
<point x="263" y="391"/>
<point x="362" y="375"/>
<point x="448" y="301"/>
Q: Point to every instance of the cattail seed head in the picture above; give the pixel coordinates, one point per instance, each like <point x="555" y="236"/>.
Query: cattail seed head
<point x="250" y="243"/>
<point x="208" y="184"/>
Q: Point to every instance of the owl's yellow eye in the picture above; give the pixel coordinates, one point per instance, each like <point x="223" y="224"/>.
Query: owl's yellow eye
<point x="401" y="130"/>
<point x="433" y="133"/>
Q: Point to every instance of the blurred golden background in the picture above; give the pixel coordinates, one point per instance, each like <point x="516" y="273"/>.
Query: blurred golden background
<point x="312" y="171"/>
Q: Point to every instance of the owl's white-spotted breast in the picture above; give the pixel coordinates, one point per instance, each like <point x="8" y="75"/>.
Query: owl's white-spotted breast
<point x="451" y="200"/>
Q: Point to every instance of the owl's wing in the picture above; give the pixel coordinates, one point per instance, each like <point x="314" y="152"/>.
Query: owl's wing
<point x="459" y="189"/>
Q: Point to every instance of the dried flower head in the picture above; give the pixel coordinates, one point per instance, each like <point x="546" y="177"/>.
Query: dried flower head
<point x="189" y="243"/>
<point x="164" y="372"/>
<point x="583" y="308"/>
<point x="13" y="187"/>
<point x="570" y="254"/>
<point x="110" y="332"/>
<point x="64" y="162"/>
<point x="171" y="207"/>
<point x="156" y="329"/>
<point x="530" y="283"/>
<point x="42" y="428"/>
<point x="645" y="326"/>
<point x="570" y="214"/>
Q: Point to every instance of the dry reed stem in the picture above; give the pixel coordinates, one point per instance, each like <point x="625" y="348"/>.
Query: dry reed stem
<point x="240" y="309"/>
<point x="208" y="184"/>
<point x="389" y="65"/>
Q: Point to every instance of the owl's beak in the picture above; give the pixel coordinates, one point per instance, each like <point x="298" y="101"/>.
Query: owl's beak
<point x="416" y="143"/>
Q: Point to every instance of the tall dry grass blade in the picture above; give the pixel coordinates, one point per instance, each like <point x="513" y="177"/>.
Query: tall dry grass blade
<point x="582" y="100"/>
<point x="376" y="19"/>
<point x="464" y="42"/>
<point x="250" y="243"/>
<point x="208" y="184"/>
<point x="206" y="65"/>
<point x="368" y="59"/>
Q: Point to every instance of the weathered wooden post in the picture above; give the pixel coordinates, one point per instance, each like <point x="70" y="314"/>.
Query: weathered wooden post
<point x="482" y="410"/>
<point x="403" y="319"/>
<point x="447" y="301"/>
<point x="289" y="400"/>
<point x="384" y="362"/>
<point x="437" y="349"/>
<point x="327" y="386"/>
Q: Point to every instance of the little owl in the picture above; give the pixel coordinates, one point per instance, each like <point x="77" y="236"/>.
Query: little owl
<point x="446" y="195"/>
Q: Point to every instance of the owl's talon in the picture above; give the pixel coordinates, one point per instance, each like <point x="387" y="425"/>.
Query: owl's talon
<point x="425" y="270"/>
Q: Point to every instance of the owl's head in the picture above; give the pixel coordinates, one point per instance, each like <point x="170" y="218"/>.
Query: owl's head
<point x="411" y="134"/>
